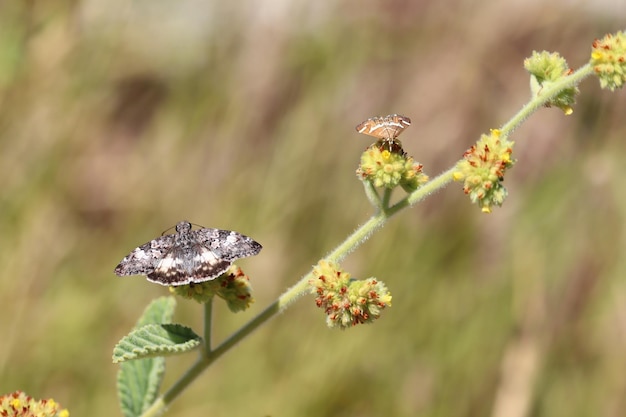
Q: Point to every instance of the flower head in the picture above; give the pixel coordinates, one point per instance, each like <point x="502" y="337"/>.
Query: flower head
<point x="233" y="286"/>
<point x="608" y="57"/>
<point x="545" y="68"/>
<point x="482" y="170"/>
<point x="385" y="164"/>
<point x="347" y="302"/>
<point x="18" y="404"/>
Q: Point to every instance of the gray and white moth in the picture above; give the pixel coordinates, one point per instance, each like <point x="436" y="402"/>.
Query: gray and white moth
<point x="187" y="256"/>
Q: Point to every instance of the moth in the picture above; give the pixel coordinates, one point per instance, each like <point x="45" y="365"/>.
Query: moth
<point x="386" y="128"/>
<point x="187" y="256"/>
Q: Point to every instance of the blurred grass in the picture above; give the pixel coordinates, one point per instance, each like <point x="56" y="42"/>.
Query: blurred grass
<point x="118" y="119"/>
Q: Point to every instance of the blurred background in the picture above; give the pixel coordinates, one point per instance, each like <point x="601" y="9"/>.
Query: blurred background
<point x="120" y="118"/>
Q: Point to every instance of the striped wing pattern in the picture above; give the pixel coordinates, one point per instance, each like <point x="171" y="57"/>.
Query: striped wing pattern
<point x="386" y="128"/>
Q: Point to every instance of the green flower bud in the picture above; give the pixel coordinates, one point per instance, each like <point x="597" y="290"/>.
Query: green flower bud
<point x="545" y="68"/>
<point x="384" y="167"/>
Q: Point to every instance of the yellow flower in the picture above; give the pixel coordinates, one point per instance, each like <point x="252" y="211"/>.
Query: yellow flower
<point x="482" y="170"/>
<point x="347" y="302"/>
<point x="386" y="168"/>
<point x="18" y="404"/>
<point x="608" y="57"/>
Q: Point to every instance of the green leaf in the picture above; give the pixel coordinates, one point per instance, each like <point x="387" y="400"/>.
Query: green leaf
<point x="155" y="340"/>
<point x="138" y="382"/>
<point x="159" y="311"/>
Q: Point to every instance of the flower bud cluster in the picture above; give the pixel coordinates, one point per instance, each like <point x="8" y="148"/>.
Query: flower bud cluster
<point x="347" y="302"/>
<point x="389" y="166"/>
<point x="482" y="170"/>
<point x="608" y="57"/>
<point x="546" y="68"/>
<point x="233" y="286"/>
<point x="18" y="404"/>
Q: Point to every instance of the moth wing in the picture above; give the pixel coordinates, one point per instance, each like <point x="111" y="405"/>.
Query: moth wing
<point x="194" y="265"/>
<point x="226" y="244"/>
<point x="143" y="259"/>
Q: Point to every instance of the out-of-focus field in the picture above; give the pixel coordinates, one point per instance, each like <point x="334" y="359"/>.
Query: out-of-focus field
<point x="120" y="118"/>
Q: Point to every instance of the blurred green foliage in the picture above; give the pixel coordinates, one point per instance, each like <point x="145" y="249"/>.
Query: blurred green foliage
<point x="119" y="119"/>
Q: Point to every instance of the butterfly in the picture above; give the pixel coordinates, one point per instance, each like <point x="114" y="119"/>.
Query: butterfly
<point x="187" y="256"/>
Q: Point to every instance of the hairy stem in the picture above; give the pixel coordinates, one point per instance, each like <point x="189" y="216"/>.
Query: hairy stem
<point x="546" y="94"/>
<point x="208" y="313"/>
<point x="372" y="195"/>
<point x="360" y="235"/>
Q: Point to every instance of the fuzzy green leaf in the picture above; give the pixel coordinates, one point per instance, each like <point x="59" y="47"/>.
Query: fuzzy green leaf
<point x="159" y="311"/>
<point x="138" y="382"/>
<point x="155" y="340"/>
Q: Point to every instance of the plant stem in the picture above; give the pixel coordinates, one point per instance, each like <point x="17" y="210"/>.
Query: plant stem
<point x="203" y="362"/>
<point x="372" y="195"/>
<point x="547" y="93"/>
<point x="208" y="314"/>
<point x="353" y="241"/>
<point x="386" y="198"/>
